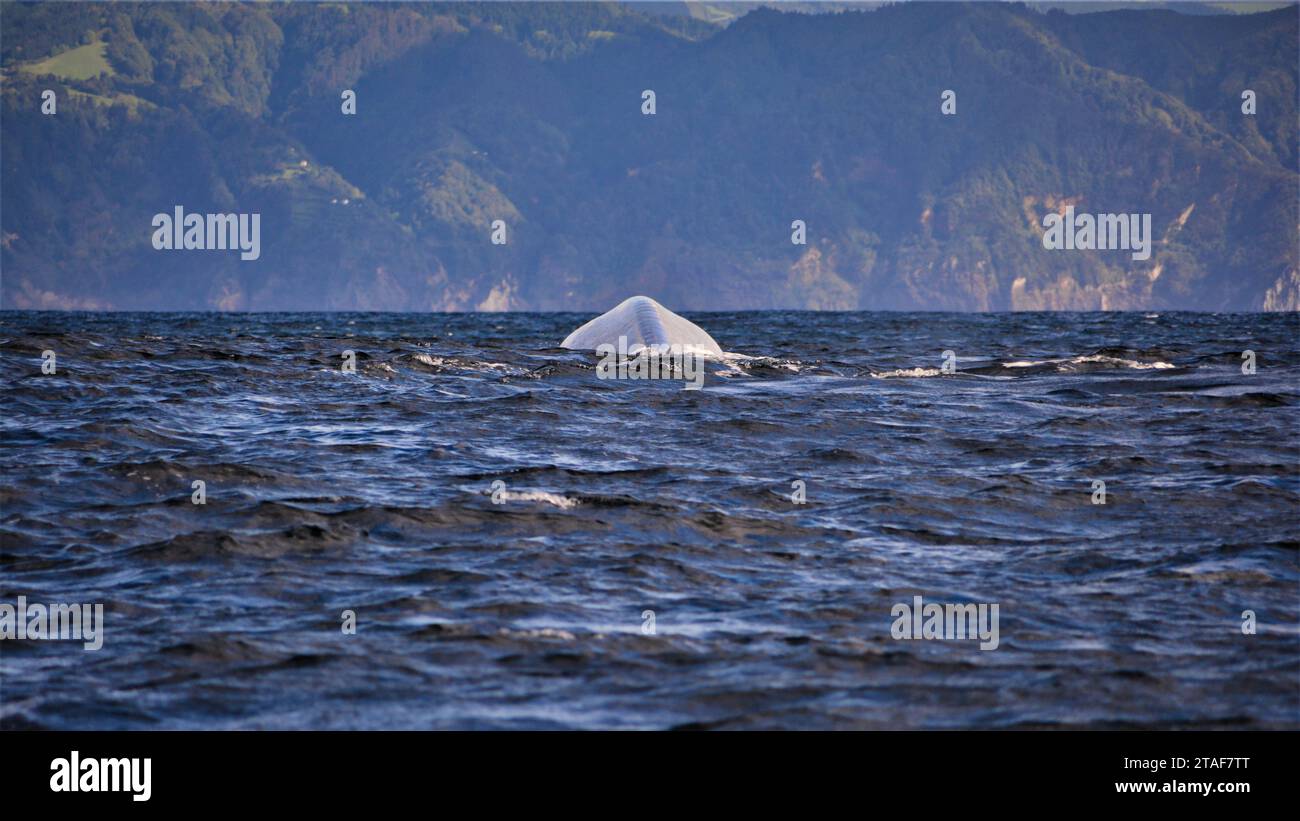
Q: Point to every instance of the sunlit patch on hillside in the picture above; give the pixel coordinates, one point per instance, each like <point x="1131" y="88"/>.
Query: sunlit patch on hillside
<point x="80" y="63"/>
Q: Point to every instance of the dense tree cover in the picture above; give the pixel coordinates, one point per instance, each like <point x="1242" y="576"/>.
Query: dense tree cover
<point x="531" y="113"/>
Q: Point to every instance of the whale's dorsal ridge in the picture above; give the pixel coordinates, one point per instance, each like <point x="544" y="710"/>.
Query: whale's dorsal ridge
<point x="644" y="322"/>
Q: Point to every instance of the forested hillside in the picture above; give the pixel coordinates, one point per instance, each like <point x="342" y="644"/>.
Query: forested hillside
<point x="532" y="114"/>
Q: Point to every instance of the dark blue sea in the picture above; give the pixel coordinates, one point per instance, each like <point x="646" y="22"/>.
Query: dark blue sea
<point x="373" y="492"/>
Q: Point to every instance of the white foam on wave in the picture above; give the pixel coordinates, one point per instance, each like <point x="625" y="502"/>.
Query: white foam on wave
<point x="470" y="365"/>
<point x="1128" y="363"/>
<point x="538" y="633"/>
<point x="1101" y="358"/>
<point x="913" y="373"/>
<point x="740" y="363"/>
<point x="560" y="501"/>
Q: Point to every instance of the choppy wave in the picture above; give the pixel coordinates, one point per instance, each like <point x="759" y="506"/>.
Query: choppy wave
<point x="522" y="604"/>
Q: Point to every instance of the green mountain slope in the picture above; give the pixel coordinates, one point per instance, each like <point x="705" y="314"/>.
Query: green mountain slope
<point x="531" y="114"/>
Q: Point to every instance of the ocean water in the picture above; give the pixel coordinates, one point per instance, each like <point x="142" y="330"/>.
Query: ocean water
<point x="372" y="492"/>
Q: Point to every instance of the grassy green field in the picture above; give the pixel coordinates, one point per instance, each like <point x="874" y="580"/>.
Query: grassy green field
<point x="80" y="63"/>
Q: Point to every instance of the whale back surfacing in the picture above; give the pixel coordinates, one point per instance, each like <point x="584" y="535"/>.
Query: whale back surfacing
<point x="644" y="322"/>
